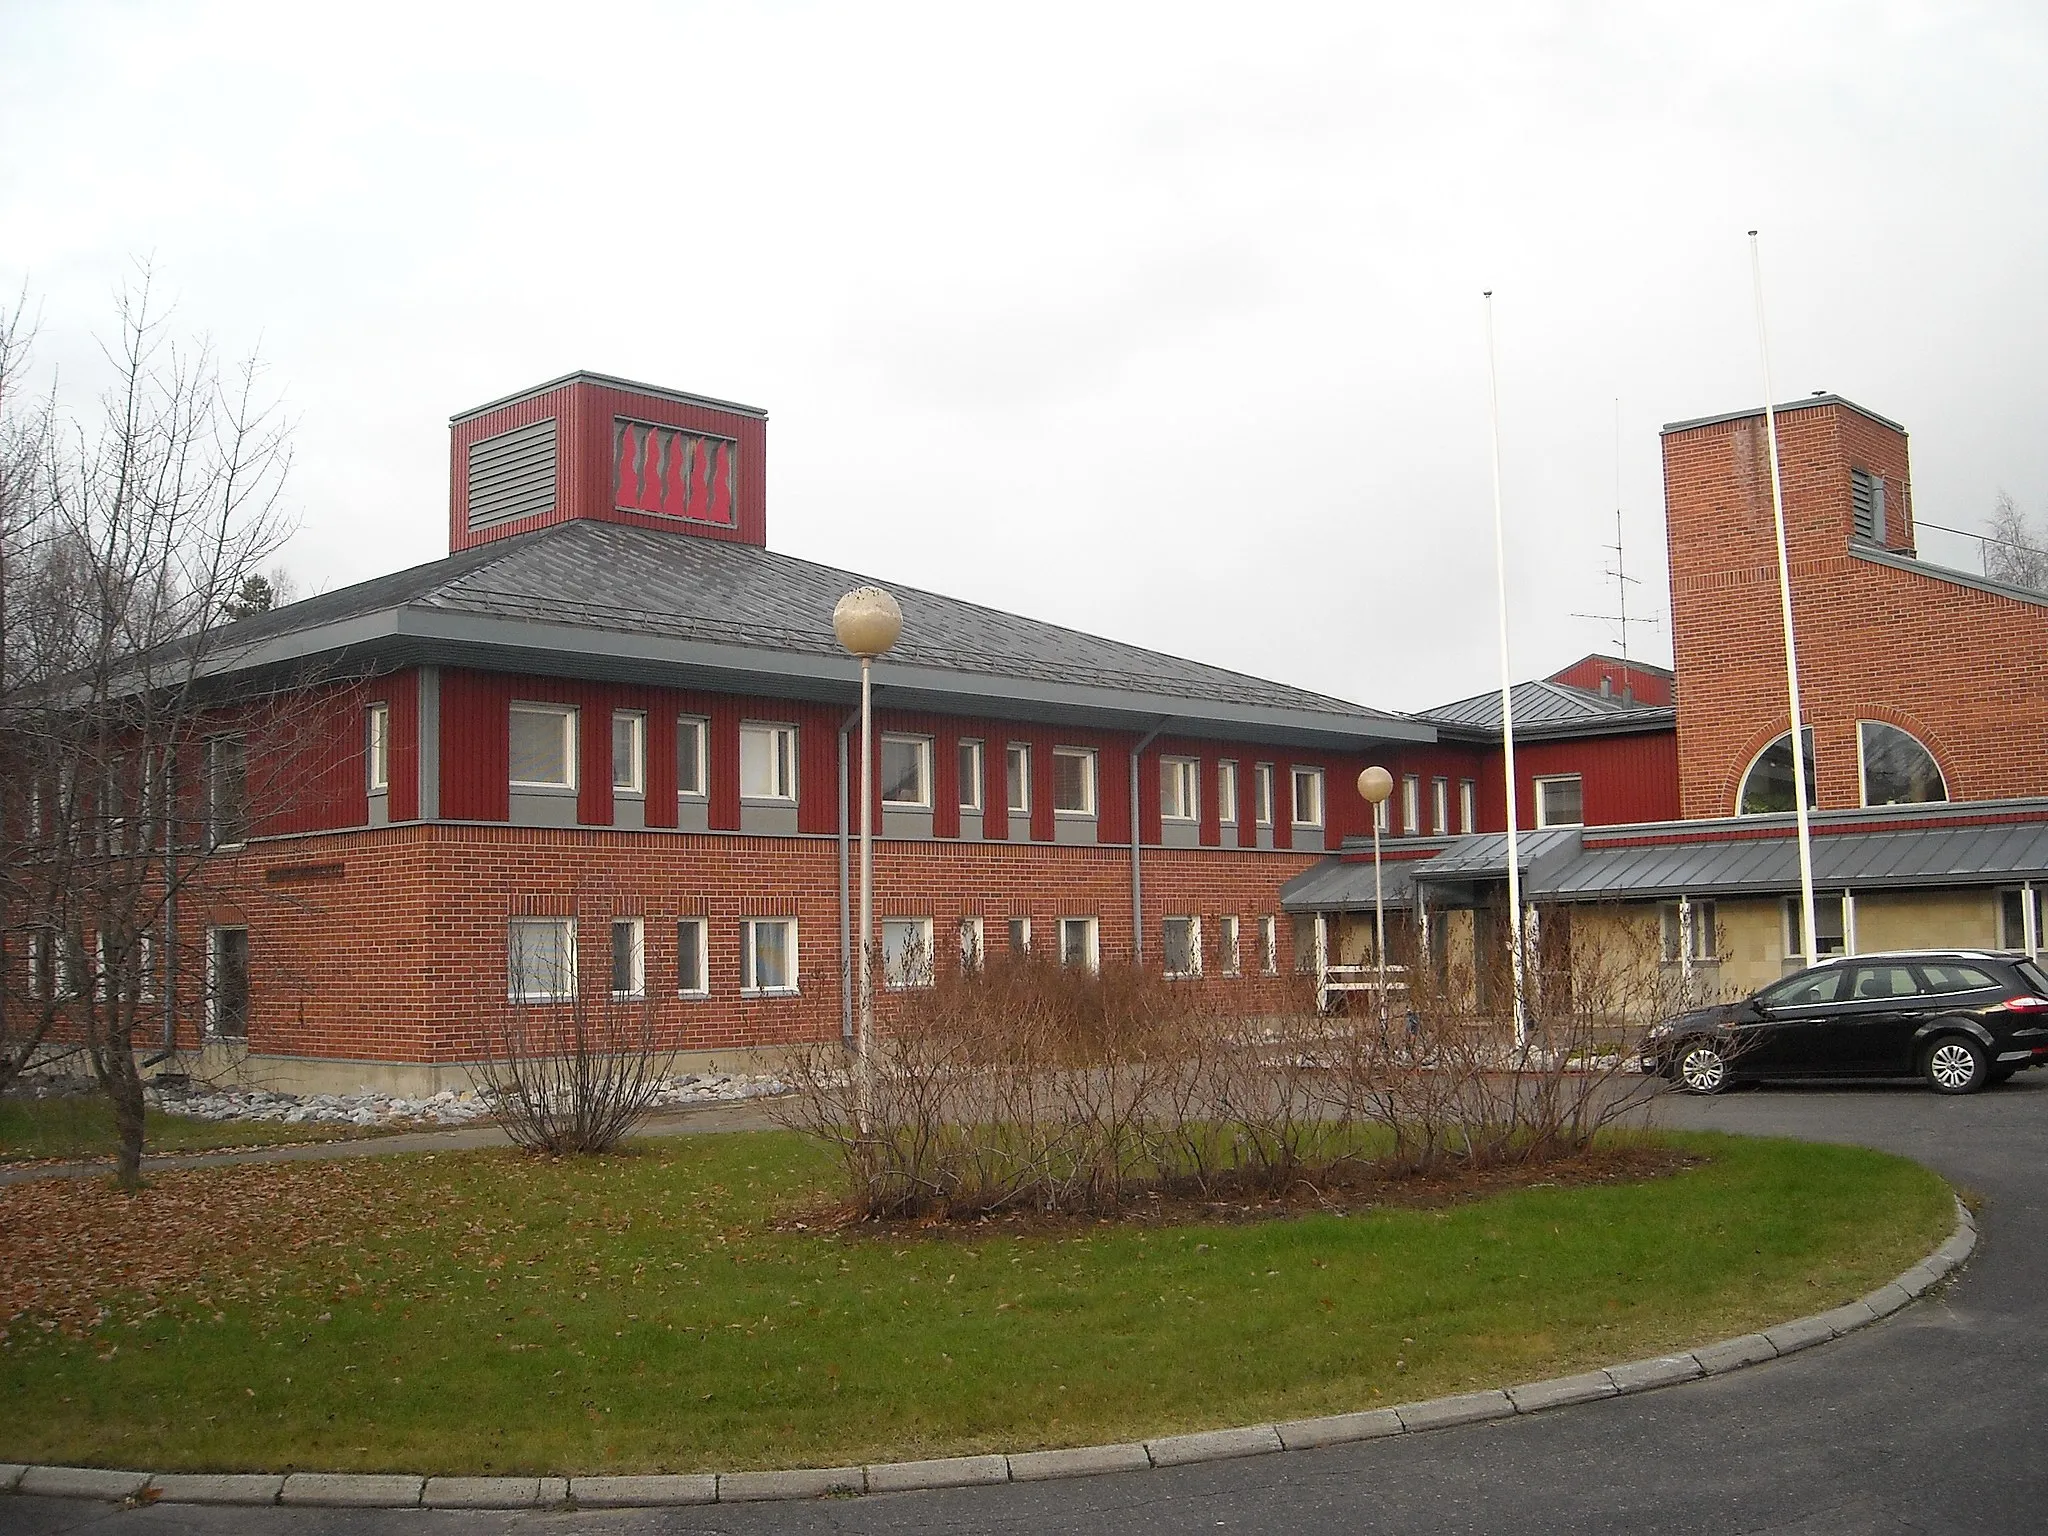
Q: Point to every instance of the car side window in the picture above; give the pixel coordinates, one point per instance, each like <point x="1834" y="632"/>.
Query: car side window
<point x="1878" y="983"/>
<point x="1957" y="978"/>
<point x="1805" y="991"/>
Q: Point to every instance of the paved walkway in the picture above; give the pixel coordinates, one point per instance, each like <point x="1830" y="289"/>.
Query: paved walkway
<point x="1928" y="1421"/>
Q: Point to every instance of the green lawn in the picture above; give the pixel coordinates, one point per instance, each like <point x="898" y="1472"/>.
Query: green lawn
<point x="81" y="1128"/>
<point x="491" y="1313"/>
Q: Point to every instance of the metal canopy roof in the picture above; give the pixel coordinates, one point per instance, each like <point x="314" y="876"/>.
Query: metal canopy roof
<point x="1545" y="708"/>
<point x="605" y="600"/>
<point x="1345" y="885"/>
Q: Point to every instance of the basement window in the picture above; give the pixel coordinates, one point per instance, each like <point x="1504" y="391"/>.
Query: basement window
<point x="906" y="952"/>
<point x="768" y="956"/>
<point x="540" y="959"/>
<point x="1078" y="943"/>
<point x="1182" y="945"/>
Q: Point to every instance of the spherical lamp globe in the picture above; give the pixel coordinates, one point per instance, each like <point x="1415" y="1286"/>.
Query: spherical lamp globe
<point x="1376" y="784"/>
<point x="867" y="621"/>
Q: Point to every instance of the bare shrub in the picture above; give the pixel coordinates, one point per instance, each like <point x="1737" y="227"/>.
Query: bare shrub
<point x="563" y="1072"/>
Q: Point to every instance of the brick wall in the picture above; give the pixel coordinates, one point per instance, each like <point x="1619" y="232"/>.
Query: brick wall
<point x="1963" y="669"/>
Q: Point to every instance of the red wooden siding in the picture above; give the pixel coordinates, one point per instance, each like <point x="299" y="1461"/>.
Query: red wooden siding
<point x="307" y="769"/>
<point x="401" y="691"/>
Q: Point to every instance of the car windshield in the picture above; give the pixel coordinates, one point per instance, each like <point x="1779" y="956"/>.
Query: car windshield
<point x="1805" y="990"/>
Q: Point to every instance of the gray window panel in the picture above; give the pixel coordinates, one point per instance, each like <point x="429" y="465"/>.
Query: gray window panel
<point x="512" y="475"/>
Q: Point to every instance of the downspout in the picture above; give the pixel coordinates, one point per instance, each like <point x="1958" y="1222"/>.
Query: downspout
<point x="845" y="907"/>
<point x="1137" y="843"/>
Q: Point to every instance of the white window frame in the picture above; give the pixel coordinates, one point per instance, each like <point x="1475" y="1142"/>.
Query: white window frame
<point x="635" y="930"/>
<point x="1015" y="928"/>
<point x="1440" y="807"/>
<point x="1086" y="757"/>
<point x="749" y="961"/>
<point x="969" y="755"/>
<point x="1468" y="806"/>
<point x="635" y="782"/>
<point x="1313" y="778"/>
<point x="1863" y="767"/>
<point x="1017" y="778"/>
<point x="700" y="984"/>
<point x="1411" y="804"/>
<point x="1194" y="970"/>
<point x="700" y="734"/>
<point x="1673" y="919"/>
<point x="782" y="749"/>
<point x="1269" y="945"/>
<point x="1228" y="959"/>
<point x="1383" y="815"/>
<point x="1180" y="789"/>
<point x="921" y="747"/>
<point x="565" y="717"/>
<point x="1542" y="782"/>
<point x="213" y="990"/>
<point x="1795" y="935"/>
<point x="566" y="982"/>
<point x="1226" y="792"/>
<point x="972" y="953"/>
<point x="1092" y="941"/>
<point x="895" y="976"/>
<point x="377" y="748"/>
<point x="1262" y="794"/>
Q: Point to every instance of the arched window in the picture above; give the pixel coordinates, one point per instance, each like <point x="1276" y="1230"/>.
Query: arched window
<point x="1897" y="770"/>
<point x="1767" y="787"/>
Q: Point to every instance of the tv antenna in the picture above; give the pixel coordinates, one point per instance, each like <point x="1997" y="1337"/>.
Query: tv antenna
<point x="1617" y="573"/>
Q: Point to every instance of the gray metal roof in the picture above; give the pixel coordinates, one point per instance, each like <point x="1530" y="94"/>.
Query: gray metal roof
<point x="1545" y="708"/>
<point x="605" y="599"/>
<point x="1928" y="856"/>
<point x="1345" y="885"/>
<point x="1484" y="855"/>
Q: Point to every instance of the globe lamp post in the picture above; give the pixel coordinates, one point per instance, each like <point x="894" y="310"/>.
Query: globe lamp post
<point x="867" y="622"/>
<point x="1375" y="784"/>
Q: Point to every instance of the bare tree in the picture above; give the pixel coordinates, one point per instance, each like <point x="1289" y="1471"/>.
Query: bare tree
<point x="135" y="759"/>
<point x="2013" y="552"/>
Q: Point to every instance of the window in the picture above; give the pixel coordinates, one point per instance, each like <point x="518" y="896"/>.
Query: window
<point x="543" y="746"/>
<point x="1226" y="793"/>
<point x="1017" y="763"/>
<point x="42" y="963"/>
<point x="1382" y="816"/>
<point x="378" y="748"/>
<point x="227" y="791"/>
<point x="1706" y="946"/>
<point x="2014" y="908"/>
<point x="690" y="734"/>
<point x="1767" y="785"/>
<point x="1020" y="937"/>
<point x="768" y="955"/>
<point x="1262" y="793"/>
<point x="1866" y="505"/>
<point x="1411" y="803"/>
<point x="541" y="959"/>
<point x="970" y="944"/>
<point x="629" y="957"/>
<point x="1226" y="946"/>
<point x="1560" y="801"/>
<point x="1829" y="921"/>
<point x="1440" y="806"/>
<point x="1897" y="769"/>
<point x="1308" y="797"/>
<point x="1806" y="991"/>
<point x="970" y="775"/>
<point x="907" y="771"/>
<point x="767" y="762"/>
<point x="1468" y="805"/>
<point x="227" y="983"/>
<point x="1951" y="977"/>
<point x="1077" y="942"/>
<point x="629" y="752"/>
<point x="693" y="976"/>
<point x="1180" y="788"/>
<point x="906" y="952"/>
<point x="1073" y="781"/>
<point x="1269" y="946"/>
<point x="1182" y="943"/>
<point x="1879" y="983"/>
<point x="1304" y="943"/>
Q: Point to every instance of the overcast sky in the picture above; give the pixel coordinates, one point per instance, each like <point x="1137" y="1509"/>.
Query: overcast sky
<point x="1160" y="321"/>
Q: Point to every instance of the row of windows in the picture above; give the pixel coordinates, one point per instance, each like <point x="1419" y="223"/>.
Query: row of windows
<point x="59" y="967"/>
<point x="1893" y="767"/>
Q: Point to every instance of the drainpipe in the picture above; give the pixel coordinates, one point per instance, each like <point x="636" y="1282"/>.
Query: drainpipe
<point x="1137" y="843"/>
<point x="845" y="913"/>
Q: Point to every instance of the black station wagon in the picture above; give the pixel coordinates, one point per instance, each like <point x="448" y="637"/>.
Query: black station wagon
<point x="1962" y="1019"/>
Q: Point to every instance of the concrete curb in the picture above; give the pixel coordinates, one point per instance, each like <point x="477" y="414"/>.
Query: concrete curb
<point x="405" y="1491"/>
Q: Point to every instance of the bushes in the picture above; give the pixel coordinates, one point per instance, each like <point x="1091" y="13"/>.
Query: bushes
<point x="1026" y="1085"/>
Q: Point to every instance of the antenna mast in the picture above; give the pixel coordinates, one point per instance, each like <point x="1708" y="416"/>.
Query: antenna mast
<point x="1618" y="573"/>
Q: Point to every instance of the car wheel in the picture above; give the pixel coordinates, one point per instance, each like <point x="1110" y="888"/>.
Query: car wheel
<point x="1701" y="1068"/>
<point x="1957" y="1064"/>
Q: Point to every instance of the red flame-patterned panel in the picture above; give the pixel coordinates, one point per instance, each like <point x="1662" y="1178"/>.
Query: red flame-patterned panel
<point x="671" y="473"/>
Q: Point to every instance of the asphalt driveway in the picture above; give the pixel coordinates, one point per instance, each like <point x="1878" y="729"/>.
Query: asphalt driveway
<point x="1928" y="1421"/>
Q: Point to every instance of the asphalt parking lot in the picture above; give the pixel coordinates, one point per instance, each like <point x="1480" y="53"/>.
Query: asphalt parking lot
<point x="1928" y="1421"/>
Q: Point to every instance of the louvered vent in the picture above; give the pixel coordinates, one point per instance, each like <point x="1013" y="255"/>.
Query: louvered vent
<point x="512" y="475"/>
<point x="1866" y="505"/>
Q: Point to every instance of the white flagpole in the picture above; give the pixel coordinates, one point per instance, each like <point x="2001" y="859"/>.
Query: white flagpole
<point x="1507" y="705"/>
<point x="1808" y="927"/>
